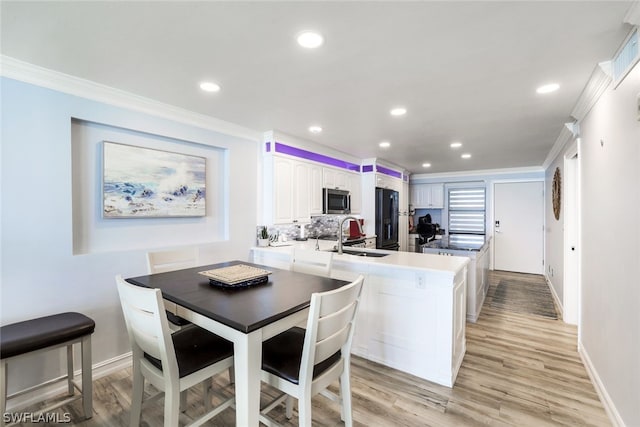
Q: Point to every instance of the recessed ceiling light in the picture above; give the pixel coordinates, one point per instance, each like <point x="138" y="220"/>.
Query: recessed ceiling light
<point x="426" y="165"/>
<point x="210" y="87"/>
<point x="551" y="87"/>
<point x="456" y="144"/>
<point x="315" y="129"/>
<point x="398" y="111"/>
<point x="466" y="156"/>
<point x="385" y="144"/>
<point x="310" y="39"/>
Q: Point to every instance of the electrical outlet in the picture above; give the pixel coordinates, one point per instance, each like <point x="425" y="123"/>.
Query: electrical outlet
<point x="420" y="282"/>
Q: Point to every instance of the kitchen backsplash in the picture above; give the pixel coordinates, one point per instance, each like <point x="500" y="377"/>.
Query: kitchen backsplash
<point x="319" y="226"/>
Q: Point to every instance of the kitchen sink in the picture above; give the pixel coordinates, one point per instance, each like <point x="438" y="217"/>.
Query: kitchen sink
<point x="361" y="253"/>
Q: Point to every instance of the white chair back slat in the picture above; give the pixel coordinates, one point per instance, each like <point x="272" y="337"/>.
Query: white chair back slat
<point x="163" y="261"/>
<point x="329" y="346"/>
<point x="330" y="324"/>
<point x="147" y="323"/>
<point x="145" y="335"/>
<point x="336" y="333"/>
<point x="311" y="262"/>
<point x="338" y="299"/>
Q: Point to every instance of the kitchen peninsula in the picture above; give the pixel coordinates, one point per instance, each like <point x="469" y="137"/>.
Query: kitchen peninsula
<point x="413" y="306"/>
<point x="477" y="270"/>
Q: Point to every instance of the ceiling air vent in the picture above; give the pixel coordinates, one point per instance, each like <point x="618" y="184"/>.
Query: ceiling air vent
<point x="626" y="57"/>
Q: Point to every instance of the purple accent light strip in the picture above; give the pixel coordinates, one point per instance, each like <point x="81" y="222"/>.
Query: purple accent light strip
<point x="308" y="155"/>
<point x="367" y="168"/>
<point x="389" y="172"/>
<point x="268" y="147"/>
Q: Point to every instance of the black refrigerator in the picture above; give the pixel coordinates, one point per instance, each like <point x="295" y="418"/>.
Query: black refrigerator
<point x="387" y="219"/>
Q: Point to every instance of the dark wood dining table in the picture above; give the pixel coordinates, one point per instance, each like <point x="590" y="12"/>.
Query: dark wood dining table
<point x="247" y="316"/>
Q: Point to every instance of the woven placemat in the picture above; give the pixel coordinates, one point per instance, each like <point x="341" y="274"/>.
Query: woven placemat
<point x="235" y="274"/>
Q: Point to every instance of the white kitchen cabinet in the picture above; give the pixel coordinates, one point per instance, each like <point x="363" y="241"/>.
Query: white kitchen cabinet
<point x="334" y="178"/>
<point x="427" y="196"/>
<point x="315" y="192"/>
<point x="282" y="190"/>
<point x="301" y="187"/>
<point x="295" y="196"/>
<point x="354" y="185"/>
<point x="385" y="181"/>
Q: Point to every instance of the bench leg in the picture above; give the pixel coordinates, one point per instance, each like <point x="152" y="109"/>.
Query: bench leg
<point x="70" y="387"/>
<point x="3" y="391"/>
<point x="87" y="377"/>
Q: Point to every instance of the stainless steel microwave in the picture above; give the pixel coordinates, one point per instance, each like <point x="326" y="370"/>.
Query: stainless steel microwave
<point x="335" y="201"/>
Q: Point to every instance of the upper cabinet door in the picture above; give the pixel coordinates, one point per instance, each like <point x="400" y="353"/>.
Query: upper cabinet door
<point x="282" y="194"/>
<point x="427" y="196"/>
<point x="302" y="192"/>
<point x="315" y="193"/>
<point x="354" y="185"/>
<point x="334" y="178"/>
<point x="436" y="192"/>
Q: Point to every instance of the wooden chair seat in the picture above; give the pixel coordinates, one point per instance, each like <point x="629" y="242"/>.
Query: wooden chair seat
<point x="195" y="348"/>
<point x="282" y="354"/>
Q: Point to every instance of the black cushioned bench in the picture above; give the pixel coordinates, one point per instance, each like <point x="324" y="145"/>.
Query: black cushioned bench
<point x="43" y="334"/>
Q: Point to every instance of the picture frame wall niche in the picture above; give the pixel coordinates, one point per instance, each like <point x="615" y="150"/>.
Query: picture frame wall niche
<point x="140" y="182"/>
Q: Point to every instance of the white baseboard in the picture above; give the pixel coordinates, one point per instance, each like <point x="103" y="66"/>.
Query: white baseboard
<point x="609" y="407"/>
<point x="98" y="370"/>
<point x="555" y="295"/>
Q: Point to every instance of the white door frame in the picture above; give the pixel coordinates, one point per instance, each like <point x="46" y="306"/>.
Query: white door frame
<point x="571" y="281"/>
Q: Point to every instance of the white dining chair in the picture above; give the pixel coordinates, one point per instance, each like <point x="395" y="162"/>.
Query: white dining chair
<point x="171" y="362"/>
<point x="311" y="262"/>
<point x="304" y="363"/>
<point x="170" y="260"/>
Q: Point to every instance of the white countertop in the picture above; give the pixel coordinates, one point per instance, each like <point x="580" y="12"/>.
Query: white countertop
<point x="395" y="259"/>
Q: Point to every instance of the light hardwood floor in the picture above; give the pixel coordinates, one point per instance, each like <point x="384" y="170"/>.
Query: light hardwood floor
<point x="519" y="370"/>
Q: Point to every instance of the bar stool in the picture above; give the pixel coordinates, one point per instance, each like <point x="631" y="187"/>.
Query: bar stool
<point x="44" y="334"/>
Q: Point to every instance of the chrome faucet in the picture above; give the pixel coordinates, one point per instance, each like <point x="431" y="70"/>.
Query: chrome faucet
<point x="340" y="225"/>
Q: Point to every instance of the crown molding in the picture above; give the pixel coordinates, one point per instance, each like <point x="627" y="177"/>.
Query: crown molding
<point x="480" y="174"/>
<point x="633" y="14"/>
<point x="599" y="81"/>
<point x="28" y="73"/>
<point x="569" y="131"/>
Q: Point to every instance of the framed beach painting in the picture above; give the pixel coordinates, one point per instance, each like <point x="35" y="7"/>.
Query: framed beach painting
<point x="147" y="183"/>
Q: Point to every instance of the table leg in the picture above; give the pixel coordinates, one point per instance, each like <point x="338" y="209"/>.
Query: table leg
<point x="248" y="360"/>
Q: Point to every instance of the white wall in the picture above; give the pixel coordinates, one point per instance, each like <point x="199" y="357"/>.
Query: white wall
<point x="40" y="273"/>
<point x="610" y="242"/>
<point x="553" y="254"/>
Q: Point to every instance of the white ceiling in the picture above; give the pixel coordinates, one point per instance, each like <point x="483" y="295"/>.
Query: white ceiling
<point x="465" y="71"/>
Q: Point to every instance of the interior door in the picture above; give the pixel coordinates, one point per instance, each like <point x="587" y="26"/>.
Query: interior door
<point x="519" y="226"/>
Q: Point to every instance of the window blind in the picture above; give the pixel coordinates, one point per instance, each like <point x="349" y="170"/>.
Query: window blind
<point x="467" y="217"/>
